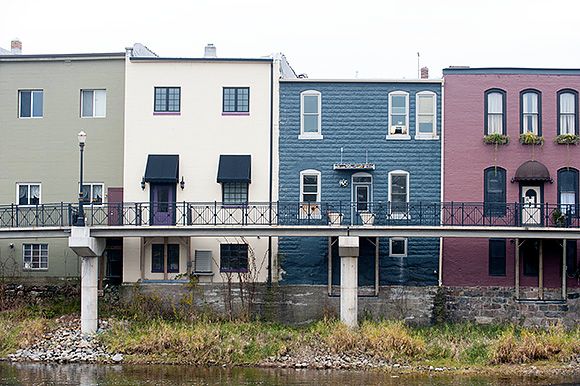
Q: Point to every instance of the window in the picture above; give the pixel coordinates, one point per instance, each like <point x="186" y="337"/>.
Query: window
<point x="497" y="253"/>
<point x="494" y="196"/>
<point x="236" y="100"/>
<point x="203" y="261"/>
<point x="31" y="102"/>
<point x="398" y="115"/>
<point x="235" y="193"/>
<point x="494" y="112"/>
<point x="568" y="190"/>
<point x="310" y="115"/>
<point x="234" y="257"/>
<point x="426" y="120"/>
<point x="28" y="194"/>
<point x="310" y="194"/>
<point x="399" y="192"/>
<point x="35" y="256"/>
<point x="158" y="258"/>
<point x="531" y="112"/>
<point x="93" y="193"/>
<point x="397" y="247"/>
<point x="93" y="103"/>
<point x="567" y="111"/>
<point x="167" y="100"/>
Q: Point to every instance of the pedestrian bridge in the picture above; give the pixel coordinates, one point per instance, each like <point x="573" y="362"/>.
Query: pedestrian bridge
<point x="377" y="219"/>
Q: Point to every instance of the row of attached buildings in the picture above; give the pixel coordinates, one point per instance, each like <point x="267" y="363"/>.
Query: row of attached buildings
<point x="231" y="131"/>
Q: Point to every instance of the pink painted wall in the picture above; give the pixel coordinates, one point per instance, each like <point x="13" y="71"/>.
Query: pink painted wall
<point x="465" y="261"/>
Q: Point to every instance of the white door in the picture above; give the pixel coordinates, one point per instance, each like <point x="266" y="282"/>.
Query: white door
<point x="531" y="205"/>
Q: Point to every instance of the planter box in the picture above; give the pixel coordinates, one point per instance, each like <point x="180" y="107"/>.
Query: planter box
<point x="367" y="218"/>
<point x="334" y="218"/>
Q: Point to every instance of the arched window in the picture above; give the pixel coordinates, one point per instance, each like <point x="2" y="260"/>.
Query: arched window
<point x="531" y="112"/>
<point x="567" y="112"/>
<point x="494" y="196"/>
<point x="399" y="193"/>
<point x="398" y="115"/>
<point x="494" y="113"/>
<point x="310" y="115"/>
<point x="310" y="193"/>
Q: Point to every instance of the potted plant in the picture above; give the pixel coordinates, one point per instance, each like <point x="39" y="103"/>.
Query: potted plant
<point x="368" y="218"/>
<point x="558" y="218"/>
<point x="334" y="218"/>
<point x="567" y="139"/>
<point x="529" y="138"/>
<point x="496" y="139"/>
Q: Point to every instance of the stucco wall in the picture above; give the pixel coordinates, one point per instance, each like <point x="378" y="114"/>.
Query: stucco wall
<point x="355" y="118"/>
<point x="199" y="135"/>
<point x="466" y="156"/>
<point x="45" y="150"/>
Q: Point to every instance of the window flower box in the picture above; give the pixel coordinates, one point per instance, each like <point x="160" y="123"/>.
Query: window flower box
<point x="367" y="218"/>
<point x="567" y="139"/>
<point x="530" y="138"/>
<point x="334" y="218"/>
<point x="496" y="139"/>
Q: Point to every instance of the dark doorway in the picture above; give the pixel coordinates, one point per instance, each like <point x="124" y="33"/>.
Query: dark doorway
<point x="114" y="261"/>
<point x="530" y="251"/>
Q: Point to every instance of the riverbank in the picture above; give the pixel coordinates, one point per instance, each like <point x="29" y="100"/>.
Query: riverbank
<point x="27" y="335"/>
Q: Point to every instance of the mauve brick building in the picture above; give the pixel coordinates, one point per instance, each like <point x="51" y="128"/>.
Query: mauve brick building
<point x="509" y="102"/>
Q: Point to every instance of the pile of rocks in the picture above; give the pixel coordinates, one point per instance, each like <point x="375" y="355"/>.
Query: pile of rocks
<point x="67" y="344"/>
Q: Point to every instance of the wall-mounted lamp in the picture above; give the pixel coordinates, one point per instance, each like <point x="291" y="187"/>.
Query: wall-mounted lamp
<point x="143" y="183"/>
<point x="182" y="183"/>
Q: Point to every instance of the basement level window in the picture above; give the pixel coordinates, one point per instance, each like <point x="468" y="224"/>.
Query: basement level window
<point x="35" y="256"/>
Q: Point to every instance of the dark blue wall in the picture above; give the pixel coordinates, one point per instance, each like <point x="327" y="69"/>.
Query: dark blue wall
<point x="355" y="117"/>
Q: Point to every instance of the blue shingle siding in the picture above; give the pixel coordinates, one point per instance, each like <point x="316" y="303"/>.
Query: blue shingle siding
<point x="355" y="118"/>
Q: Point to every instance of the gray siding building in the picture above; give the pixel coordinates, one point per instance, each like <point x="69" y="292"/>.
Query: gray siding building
<point x="45" y="101"/>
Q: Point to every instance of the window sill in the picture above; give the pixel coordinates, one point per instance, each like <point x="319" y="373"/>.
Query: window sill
<point x="398" y="216"/>
<point x="93" y="117"/>
<point x="427" y="137"/>
<point x="235" y="113"/>
<point x="34" y="269"/>
<point x="398" y="137"/>
<point x="310" y="136"/>
<point x="202" y="273"/>
<point x="397" y="255"/>
<point x="31" y="117"/>
<point x="167" y="113"/>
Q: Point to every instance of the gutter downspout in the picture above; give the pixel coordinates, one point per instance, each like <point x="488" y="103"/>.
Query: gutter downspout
<point x="271" y="167"/>
<point x="442" y="175"/>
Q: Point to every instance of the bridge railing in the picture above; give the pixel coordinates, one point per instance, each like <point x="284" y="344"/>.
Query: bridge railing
<point x="293" y="213"/>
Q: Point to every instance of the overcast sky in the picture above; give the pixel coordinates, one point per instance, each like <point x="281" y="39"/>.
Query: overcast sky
<point x="324" y="39"/>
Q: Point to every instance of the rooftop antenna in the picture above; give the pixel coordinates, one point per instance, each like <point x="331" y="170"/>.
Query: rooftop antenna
<point x="341" y="149"/>
<point x="418" y="66"/>
<point x="356" y="74"/>
<point x="367" y="156"/>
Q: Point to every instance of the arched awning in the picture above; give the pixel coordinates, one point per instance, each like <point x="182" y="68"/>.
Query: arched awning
<point x="532" y="171"/>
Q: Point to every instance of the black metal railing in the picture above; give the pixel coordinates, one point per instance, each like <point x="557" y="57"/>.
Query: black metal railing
<point x="293" y="213"/>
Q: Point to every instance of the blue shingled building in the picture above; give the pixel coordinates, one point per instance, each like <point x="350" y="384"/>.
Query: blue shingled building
<point x="360" y="152"/>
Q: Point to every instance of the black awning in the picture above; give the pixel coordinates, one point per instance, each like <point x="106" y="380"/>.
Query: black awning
<point x="235" y="168"/>
<point x="532" y="171"/>
<point x="162" y="168"/>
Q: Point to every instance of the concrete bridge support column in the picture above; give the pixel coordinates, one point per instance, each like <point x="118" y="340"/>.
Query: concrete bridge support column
<point x="88" y="249"/>
<point x="348" y="250"/>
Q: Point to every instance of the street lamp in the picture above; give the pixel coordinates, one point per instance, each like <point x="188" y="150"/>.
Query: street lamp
<point x="81" y="215"/>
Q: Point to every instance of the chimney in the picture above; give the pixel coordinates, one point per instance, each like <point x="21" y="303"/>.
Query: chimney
<point x="424" y="72"/>
<point x="16" y="47"/>
<point x="210" y="51"/>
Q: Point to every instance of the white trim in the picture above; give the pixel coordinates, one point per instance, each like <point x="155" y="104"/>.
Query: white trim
<point x="442" y="179"/>
<point x="31" y="90"/>
<point x="313" y="206"/>
<point x="398" y="173"/>
<point x="367" y="184"/>
<point x="91" y="192"/>
<point x="94" y="113"/>
<point x="407" y="111"/>
<point x="391" y="247"/>
<point x="361" y="80"/>
<point x="28" y="183"/>
<point x="309" y="135"/>
<point x="433" y="134"/>
<point x="24" y="268"/>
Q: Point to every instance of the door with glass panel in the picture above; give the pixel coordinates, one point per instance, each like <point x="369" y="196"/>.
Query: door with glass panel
<point x="531" y="205"/>
<point x="162" y="204"/>
<point x="362" y="184"/>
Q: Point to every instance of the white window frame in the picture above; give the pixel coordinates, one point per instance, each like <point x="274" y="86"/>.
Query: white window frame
<point x="317" y="135"/>
<point x="433" y="134"/>
<point x="94" y="115"/>
<point x="398" y="136"/>
<point x="30" y="268"/>
<point x="92" y="184"/>
<point x="18" y="184"/>
<point x="305" y="207"/>
<point x="404" y="254"/>
<point x="394" y="214"/>
<point x="31" y="90"/>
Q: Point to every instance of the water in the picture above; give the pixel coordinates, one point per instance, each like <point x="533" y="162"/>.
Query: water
<point x="73" y="374"/>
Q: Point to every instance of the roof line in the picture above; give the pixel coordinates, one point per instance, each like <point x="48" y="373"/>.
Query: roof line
<point x="104" y="55"/>
<point x="311" y="80"/>
<point x="170" y="59"/>
<point x="510" y="70"/>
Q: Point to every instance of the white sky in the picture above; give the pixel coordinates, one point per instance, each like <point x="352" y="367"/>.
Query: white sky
<point x="325" y="39"/>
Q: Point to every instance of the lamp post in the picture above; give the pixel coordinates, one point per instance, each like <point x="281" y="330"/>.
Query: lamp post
<point x="81" y="215"/>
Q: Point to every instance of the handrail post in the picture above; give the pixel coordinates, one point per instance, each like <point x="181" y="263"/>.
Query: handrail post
<point x="215" y="213"/>
<point x="36" y="215"/>
<point x="515" y="212"/>
<point x="12" y="215"/>
<point x="61" y="214"/>
<point x="452" y="214"/>
<point x="183" y="214"/>
<point x="463" y="214"/>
